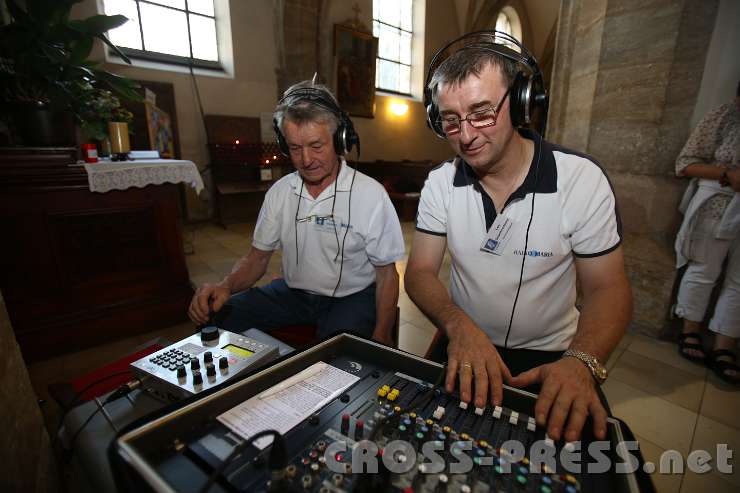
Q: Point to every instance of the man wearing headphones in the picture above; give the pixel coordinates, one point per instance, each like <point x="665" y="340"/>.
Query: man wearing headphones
<point x="520" y="218"/>
<point x="337" y="228"/>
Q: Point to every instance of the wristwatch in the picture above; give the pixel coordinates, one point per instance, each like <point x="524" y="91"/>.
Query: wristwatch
<point x="597" y="369"/>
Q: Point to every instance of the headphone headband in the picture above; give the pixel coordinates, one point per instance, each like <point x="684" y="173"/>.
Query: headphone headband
<point x="527" y="91"/>
<point x="345" y="137"/>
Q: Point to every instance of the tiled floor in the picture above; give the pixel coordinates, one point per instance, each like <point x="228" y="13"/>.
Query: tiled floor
<point x="668" y="402"/>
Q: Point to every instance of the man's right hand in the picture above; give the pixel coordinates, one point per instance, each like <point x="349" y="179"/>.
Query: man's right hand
<point x="471" y="354"/>
<point x="199" y="309"/>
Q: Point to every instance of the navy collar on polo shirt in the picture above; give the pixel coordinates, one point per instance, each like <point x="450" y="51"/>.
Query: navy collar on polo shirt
<point x="542" y="178"/>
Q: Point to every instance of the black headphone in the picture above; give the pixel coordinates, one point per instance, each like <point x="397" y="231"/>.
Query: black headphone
<point x="345" y="137"/>
<point x="527" y="91"/>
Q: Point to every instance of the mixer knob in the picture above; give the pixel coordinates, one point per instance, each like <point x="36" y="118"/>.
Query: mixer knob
<point x="197" y="378"/>
<point x="337" y="479"/>
<point x="194" y="364"/>
<point x="181" y="373"/>
<point x="207" y="357"/>
<point x="210" y="370"/>
<point x="306" y="481"/>
<point x="223" y="363"/>
<point x="345" y="424"/>
<point x="442" y="484"/>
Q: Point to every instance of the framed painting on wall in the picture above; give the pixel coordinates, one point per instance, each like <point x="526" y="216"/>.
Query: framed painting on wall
<point x="355" y="53"/>
<point x="159" y="127"/>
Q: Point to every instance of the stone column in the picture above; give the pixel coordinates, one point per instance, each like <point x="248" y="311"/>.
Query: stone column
<point x="625" y="81"/>
<point x="298" y="26"/>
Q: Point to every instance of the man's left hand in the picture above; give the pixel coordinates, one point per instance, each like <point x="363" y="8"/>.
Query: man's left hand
<point x="568" y="391"/>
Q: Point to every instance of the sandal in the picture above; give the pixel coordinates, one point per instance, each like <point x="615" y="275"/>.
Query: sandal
<point x="683" y="345"/>
<point x="721" y="367"/>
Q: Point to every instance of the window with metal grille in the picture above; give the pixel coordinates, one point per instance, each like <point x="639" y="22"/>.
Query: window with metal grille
<point x="393" y="26"/>
<point x="170" y="31"/>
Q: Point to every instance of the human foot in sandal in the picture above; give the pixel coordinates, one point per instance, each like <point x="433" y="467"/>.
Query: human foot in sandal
<point x="724" y="364"/>
<point x="690" y="342"/>
<point x="722" y="359"/>
<point x="690" y="346"/>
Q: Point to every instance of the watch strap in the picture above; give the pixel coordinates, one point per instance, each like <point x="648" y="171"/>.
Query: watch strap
<point x="598" y="371"/>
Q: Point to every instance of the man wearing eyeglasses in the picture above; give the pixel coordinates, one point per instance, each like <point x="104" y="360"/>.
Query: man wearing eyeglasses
<point x="338" y="231"/>
<point x="520" y="218"/>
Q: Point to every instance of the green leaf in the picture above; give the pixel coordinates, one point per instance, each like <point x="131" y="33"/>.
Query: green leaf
<point x="115" y="48"/>
<point x="17" y="12"/>
<point x="80" y="50"/>
<point x="98" y="24"/>
<point x="126" y="88"/>
<point x="81" y="71"/>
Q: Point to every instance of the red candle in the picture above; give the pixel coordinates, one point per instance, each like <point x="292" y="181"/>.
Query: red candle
<point x="90" y="153"/>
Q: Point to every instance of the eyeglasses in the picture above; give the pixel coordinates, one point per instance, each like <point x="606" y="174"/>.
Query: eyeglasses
<point x="451" y="124"/>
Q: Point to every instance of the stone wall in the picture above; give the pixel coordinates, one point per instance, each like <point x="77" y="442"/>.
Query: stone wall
<point x="625" y="82"/>
<point x="25" y="450"/>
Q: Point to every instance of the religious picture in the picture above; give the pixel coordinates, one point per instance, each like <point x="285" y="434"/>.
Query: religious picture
<point x="159" y="127"/>
<point x="355" y="53"/>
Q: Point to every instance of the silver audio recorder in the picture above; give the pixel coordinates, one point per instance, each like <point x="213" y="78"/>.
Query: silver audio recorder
<point x="199" y="362"/>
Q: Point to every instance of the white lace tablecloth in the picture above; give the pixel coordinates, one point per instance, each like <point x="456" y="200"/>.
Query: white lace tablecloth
<point x="106" y="176"/>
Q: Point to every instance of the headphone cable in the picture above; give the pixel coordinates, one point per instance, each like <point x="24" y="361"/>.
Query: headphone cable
<point x="526" y="243"/>
<point x="346" y="230"/>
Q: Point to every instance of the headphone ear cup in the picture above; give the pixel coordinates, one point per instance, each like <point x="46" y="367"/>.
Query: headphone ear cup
<point x="282" y="145"/>
<point x="433" y="120"/>
<point x="345" y="137"/>
<point x="518" y="99"/>
<point x="340" y="137"/>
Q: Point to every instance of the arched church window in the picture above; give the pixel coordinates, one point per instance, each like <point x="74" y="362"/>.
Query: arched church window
<point x="508" y="21"/>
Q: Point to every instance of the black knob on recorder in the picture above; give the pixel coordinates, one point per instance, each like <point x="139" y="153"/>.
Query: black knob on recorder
<point x="209" y="333"/>
<point x="223" y="363"/>
<point x="207" y="357"/>
<point x="181" y="373"/>
<point x="197" y="378"/>
<point x="210" y="370"/>
<point x="194" y="364"/>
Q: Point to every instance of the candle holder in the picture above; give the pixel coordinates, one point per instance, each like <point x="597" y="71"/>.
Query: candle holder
<point x="120" y="145"/>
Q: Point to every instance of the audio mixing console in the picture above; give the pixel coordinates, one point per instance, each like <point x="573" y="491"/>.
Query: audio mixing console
<point x="392" y="429"/>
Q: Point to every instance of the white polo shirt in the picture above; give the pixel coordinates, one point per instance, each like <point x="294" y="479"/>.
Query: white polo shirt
<point x="575" y="214"/>
<point x="372" y="231"/>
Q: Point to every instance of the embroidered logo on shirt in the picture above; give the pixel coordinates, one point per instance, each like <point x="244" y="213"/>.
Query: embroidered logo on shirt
<point x="534" y="253"/>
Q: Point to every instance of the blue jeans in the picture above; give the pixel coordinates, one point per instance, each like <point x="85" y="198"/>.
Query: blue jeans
<point x="277" y="305"/>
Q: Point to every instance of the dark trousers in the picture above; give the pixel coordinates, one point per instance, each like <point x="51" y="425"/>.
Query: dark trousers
<point x="277" y="305"/>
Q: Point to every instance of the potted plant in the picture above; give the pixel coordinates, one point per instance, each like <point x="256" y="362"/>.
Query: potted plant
<point x="44" y="63"/>
<point x="94" y="109"/>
